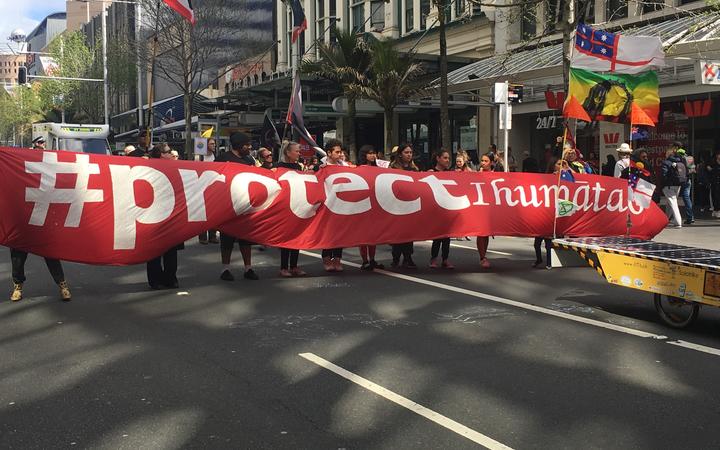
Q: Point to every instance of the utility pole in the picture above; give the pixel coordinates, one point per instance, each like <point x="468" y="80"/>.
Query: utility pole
<point x="103" y="14"/>
<point x="138" y="30"/>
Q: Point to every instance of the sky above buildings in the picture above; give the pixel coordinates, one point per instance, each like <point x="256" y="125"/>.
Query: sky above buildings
<point x="25" y="15"/>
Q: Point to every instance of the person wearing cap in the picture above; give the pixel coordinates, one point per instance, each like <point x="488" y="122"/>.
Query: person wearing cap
<point x="38" y="143"/>
<point x="687" y="185"/>
<point x="623" y="162"/>
<point x="240" y="154"/>
<point x="19" y="257"/>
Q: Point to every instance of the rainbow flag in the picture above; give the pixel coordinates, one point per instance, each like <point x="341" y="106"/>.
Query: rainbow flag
<point x="610" y="97"/>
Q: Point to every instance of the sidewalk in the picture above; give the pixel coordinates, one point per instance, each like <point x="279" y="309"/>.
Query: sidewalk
<point x="704" y="233"/>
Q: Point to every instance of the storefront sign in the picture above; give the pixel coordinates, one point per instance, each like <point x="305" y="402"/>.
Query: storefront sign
<point x="611" y="135"/>
<point x="548" y="122"/>
<point x="101" y="209"/>
<point x="709" y="72"/>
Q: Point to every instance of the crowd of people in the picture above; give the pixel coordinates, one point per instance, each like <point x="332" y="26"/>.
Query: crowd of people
<point x="675" y="182"/>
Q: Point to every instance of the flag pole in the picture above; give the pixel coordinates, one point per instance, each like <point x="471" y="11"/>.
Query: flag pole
<point x="557" y="191"/>
<point x="151" y="82"/>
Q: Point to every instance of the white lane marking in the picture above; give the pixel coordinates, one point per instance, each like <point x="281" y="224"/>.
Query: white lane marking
<point x="696" y="347"/>
<point x="507" y="301"/>
<point x="429" y="414"/>
<point x="539" y="309"/>
<point x="475" y="248"/>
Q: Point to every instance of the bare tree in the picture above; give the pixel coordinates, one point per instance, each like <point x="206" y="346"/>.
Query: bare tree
<point x="188" y="57"/>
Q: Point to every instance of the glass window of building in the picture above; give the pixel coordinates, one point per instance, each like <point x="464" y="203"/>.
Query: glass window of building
<point x="616" y="9"/>
<point x="333" y="8"/>
<point x="320" y="8"/>
<point x="552" y="15"/>
<point x="358" y="16"/>
<point x="377" y="9"/>
<point x="460" y="6"/>
<point x="424" y="11"/>
<point x="409" y="15"/>
<point x="586" y="12"/>
<point x="652" y="5"/>
<point x="528" y="22"/>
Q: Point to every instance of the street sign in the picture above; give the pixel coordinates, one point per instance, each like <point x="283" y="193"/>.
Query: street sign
<point x="515" y="93"/>
<point x="505" y="117"/>
<point x="709" y="72"/>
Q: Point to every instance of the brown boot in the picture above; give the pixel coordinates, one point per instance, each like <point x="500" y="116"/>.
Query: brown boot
<point x="16" y="295"/>
<point x="65" y="291"/>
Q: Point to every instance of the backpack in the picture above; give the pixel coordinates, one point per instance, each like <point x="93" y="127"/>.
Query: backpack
<point x="677" y="175"/>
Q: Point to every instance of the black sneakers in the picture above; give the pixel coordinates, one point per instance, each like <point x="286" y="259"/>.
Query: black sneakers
<point x="251" y="275"/>
<point x="227" y="275"/>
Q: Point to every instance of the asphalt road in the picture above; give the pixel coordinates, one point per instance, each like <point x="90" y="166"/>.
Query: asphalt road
<point x="424" y="359"/>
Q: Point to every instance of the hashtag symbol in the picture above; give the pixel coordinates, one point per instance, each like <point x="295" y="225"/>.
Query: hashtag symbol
<point x="47" y="194"/>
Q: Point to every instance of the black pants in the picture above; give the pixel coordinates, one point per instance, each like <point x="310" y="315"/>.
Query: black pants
<point x="332" y="253"/>
<point x="715" y="193"/>
<point x="18" y="258"/>
<point x="162" y="271"/>
<point x="538" y="249"/>
<point x="435" y="249"/>
<point x="288" y="258"/>
<point x="405" y="250"/>
<point x="208" y="235"/>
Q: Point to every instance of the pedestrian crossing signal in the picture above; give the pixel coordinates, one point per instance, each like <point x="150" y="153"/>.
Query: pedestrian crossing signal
<point x="22" y="75"/>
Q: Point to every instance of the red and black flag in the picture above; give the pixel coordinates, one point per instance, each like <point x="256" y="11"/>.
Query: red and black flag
<point x="299" y="20"/>
<point x="184" y="8"/>
<point x="269" y="136"/>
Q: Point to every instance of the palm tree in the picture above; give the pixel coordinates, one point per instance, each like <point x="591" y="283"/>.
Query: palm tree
<point x="392" y="78"/>
<point x="443" y="7"/>
<point x="345" y="62"/>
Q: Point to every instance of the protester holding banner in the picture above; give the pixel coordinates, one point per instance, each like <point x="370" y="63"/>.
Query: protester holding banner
<point x="18" y="258"/>
<point x="403" y="160"/>
<point x="290" y="159"/>
<point x="240" y="154"/>
<point x="487" y="164"/>
<point x="462" y="162"/>
<point x="162" y="271"/>
<point x="368" y="157"/>
<point x="442" y="164"/>
<point x="555" y="167"/>
<point x="332" y="258"/>
<point x="210" y="235"/>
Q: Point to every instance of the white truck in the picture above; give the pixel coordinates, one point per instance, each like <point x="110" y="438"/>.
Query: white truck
<point x="81" y="138"/>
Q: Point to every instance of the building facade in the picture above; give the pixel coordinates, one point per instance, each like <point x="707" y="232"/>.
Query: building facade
<point x="80" y="12"/>
<point x="9" y="64"/>
<point x="40" y="37"/>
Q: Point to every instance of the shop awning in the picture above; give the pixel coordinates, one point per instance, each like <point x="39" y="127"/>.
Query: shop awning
<point x="680" y="36"/>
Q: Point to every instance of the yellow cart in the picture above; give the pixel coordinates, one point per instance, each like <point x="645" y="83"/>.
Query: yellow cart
<point x="680" y="278"/>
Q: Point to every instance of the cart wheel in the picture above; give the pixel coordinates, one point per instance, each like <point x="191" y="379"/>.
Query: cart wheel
<point x="676" y="312"/>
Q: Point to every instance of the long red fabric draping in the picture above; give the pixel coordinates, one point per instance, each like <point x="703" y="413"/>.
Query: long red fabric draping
<point x="116" y="210"/>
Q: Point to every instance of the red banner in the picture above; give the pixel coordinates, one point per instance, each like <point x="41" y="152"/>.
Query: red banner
<point x="118" y="210"/>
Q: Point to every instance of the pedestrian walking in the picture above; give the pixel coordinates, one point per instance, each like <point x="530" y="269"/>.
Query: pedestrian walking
<point x="713" y="171"/>
<point x="674" y="175"/>
<point x="239" y="154"/>
<point x="623" y="161"/>
<point x="442" y="164"/>
<point x="686" y="187"/>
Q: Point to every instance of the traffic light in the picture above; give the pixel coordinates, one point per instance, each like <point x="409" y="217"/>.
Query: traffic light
<point x="22" y="75"/>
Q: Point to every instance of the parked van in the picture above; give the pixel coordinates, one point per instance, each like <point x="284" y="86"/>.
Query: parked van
<point x="74" y="137"/>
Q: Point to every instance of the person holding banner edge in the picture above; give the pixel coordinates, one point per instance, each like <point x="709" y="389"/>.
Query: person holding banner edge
<point x="240" y="154"/>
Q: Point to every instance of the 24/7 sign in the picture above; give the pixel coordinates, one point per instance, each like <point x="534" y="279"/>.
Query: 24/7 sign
<point x="709" y="72"/>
